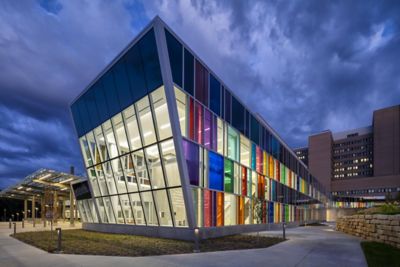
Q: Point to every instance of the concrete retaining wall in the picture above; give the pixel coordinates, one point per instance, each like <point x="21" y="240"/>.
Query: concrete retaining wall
<point x="377" y="227"/>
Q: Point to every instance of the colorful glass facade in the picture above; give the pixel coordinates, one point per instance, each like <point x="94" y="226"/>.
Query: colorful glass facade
<point x="166" y="143"/>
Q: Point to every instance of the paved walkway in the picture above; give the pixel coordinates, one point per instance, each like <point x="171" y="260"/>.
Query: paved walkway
<point x="307" y="246"/>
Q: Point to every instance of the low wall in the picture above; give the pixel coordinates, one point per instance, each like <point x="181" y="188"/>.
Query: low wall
<point x="377" y="227"/>
<point x="183" y="233"/>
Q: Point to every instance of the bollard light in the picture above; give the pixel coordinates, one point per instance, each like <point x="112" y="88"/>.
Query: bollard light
<point x="196" y="240"/>
<point x="23" y="223"/>
<point x="9" y="224"/>
<point x="15" y="228"/>
<point x="58" y="230"/>
<point x="284" y="230"/>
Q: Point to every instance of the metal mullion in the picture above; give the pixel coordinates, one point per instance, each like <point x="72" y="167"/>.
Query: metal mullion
<point x="97" y="144"/>
<point x="129" y="154"/>
<point x="166" y="74"/>
<point x="137" y="185"/>
<point x="160" y="154"/>
<point x="109" y="158"/>
<point x="165" y="181"/>
<point x="112" y="209"/>
<point x="113" y="173"/>
<point x="90" y="149"/>
<point x="91" y="189"/>
<point x="151" y="186"/>
<point x="83" y="150"/>
<point x="104" y="208"/>
<point x="139" y="124"/>
<point x="122" y="211"/>
<point x="106" y="140"/>
<point x="87" y="209"/>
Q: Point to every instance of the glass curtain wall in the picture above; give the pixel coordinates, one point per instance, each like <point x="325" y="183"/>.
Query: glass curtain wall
<point x="132" y="167"/>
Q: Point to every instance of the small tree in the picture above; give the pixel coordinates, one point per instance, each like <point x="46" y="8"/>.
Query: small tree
<point x="397" y="198"/>
<point x="258" y="207"/>
<point x="388" y="198"/>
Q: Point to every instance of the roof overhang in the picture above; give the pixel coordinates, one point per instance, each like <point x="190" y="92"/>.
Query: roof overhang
<point x="35" y="185"/>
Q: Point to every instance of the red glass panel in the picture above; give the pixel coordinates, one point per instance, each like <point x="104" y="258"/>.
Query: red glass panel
<point x="191" y="120"/>
<point x="261" y="187"/>
<point x="207" y="208"/>
<point x="207" y="128"/>
<point x="278" y="170"/>
<point x="259" y="166"/>
<point x="244" y="181"/>
<point x="199" y="123"/>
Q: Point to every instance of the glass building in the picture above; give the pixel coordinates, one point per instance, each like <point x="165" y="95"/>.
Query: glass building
<point x="169" y="148"/>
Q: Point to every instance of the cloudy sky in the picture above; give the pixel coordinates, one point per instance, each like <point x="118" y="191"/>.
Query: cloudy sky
<point x="309" y="65"/>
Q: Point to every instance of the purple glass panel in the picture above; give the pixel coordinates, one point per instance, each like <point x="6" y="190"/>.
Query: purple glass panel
<point x="214" y="130"/>
<point x="191" y="152"/>
<point x="207" y="128"/>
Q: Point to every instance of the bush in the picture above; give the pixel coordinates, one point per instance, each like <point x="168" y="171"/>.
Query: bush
<point x="387" y="208"/>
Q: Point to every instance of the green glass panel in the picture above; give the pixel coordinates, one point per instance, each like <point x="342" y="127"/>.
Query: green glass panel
<point x="228" y="179"/>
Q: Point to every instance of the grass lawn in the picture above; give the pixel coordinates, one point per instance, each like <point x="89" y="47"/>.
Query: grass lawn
<point x="95" y="243"/>
<point x="379" y="254"/>
<point x="313" y="224"/>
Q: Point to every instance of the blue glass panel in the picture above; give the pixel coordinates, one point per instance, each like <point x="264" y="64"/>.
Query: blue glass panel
<point x="271" y="212"/>
<point x="238" y="118"/>
<point x="216" y="172"/>
<point x="254" y="130"/>
<point x="101" y="103"/>
<point x="227" y="112"/>
<point x="151" y="64"/>
<point x="247" y="128"/>
<point x="175" y="57"/>
<point x="189" y="73"/>
<point x="122" y="84"/>
<point x="191" y="152"/>
<point x="86" y="123"/>
<point x="91" y="107"/>
<point x="110" y="93"/>
<point x="215" y="95"/>
<point x="77" y="119"/>
<point x="136" y="75"/>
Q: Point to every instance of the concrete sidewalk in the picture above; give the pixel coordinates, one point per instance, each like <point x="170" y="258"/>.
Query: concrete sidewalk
<point x="307" y="246"/>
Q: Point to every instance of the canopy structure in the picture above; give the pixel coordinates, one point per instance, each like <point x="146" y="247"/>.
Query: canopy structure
<point x="49" y="192"/>
<point x="40" y="181"/>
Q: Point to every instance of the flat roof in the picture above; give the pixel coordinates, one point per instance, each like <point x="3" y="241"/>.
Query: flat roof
<point x="359" y="131"/>
<point x="38" y="182"/>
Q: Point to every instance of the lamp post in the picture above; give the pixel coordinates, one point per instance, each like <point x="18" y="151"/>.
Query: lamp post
<point x="5" y="215"/>
<point x="17" y="216"/>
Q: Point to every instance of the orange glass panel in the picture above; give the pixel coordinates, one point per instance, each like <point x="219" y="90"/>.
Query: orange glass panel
<point x="240" y="210"/>
<point x="220" y="209"/>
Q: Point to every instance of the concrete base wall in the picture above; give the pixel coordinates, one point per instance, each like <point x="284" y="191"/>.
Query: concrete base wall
<point x="182" y="233"/>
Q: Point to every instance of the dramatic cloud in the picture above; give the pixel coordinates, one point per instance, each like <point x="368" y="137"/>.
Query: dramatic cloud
<point x="309" y="65"/>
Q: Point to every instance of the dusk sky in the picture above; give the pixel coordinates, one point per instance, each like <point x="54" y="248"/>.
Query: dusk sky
<point x="305" y="66"/>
